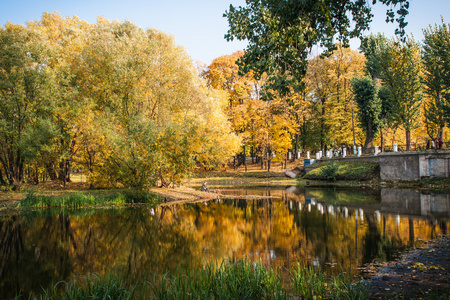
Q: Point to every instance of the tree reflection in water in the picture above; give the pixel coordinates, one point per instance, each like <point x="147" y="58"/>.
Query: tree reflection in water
<point x="313" y="226"/>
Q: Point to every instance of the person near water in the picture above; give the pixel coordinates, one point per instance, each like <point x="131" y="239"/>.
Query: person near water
<point x="205" y="187"/>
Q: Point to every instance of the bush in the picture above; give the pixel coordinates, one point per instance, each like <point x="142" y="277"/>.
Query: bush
<point x="330" y="171"/>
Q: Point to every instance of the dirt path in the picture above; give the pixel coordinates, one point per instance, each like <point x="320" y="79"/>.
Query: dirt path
<point x="178" y="195"/>
<point x="419" y="274"/>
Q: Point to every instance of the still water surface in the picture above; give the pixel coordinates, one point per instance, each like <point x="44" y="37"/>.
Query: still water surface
<point x="333" y="229"/>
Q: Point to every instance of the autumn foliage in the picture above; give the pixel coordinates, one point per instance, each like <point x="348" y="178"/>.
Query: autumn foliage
<point x="122" y="103"/>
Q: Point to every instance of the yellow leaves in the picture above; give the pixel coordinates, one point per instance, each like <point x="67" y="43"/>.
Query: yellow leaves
<point x="329" y="92"/>
<point x="420" y="267"/>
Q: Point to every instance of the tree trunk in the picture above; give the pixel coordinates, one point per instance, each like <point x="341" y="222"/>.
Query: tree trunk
<point x="245" y="160"/>
<point x="353" y="128"/>
<point x="64" y="171"/>
<point x="382" y="139"/>
<point x="408" y="140"/>
<point x="296" y="146"/>
<point x="2" y="181"/>
<point x="369" y="139"/>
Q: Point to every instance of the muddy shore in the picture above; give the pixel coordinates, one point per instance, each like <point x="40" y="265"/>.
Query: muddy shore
<point x="421" y="273"/>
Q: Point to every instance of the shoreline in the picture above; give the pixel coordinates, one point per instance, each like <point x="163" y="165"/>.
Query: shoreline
<point x="421" y="273"/>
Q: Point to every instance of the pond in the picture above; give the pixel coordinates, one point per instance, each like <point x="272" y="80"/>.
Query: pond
<point x="331" y="229"/>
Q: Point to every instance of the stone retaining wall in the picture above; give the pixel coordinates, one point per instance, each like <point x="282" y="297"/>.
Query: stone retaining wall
<point x="412" y="165"/>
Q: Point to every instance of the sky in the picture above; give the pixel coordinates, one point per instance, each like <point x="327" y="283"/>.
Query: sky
<point x="199" y="25"/>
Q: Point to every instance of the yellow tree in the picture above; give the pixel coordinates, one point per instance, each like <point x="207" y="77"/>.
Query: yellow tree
<point x="65" y="38"/>
<point x="342" y="66"/>
<point x="330" y="96"/>
<point x="266" y="127"/>
<point x="153" y="108"/>
<point x="223" y="74"/>
<point x="126" y="103"/>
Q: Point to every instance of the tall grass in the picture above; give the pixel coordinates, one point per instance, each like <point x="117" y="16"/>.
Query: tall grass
<point x="312" y="283"/>
<point x="229" y="280"/>
<point x="87" y="199"/>
<point x="92" y="287"/>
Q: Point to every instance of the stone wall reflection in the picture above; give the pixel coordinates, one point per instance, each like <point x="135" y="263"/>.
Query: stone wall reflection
<point x="414" y="202"/>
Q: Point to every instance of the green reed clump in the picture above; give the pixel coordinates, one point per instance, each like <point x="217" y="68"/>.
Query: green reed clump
<point x="87" y="199"/>
<point x="229" y="280"/>
<point x="92" y="287"/>
<point x="140" y="196"/>
<point x="313" y="283"/>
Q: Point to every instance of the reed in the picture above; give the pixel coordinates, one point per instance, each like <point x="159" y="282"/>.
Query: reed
<point x="88" y="199"/>
<point x="90" y="286"/>
<point x="230" y="280"/>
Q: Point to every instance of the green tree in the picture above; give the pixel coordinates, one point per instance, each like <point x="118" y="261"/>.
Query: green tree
<point x="369" y="104"/>
<point x="26" y="85"/>
<point x="280" y="34"/>
<point x="402" y="74"/>
<point x="436" y="62"/>
<point x="374" y="46"/>
<point x="386" y="110"/>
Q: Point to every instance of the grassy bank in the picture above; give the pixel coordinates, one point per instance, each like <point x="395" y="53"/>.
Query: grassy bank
<point x="86" y="199"/>
<point x="230" y="280"/>
<point x="334" y="171"/>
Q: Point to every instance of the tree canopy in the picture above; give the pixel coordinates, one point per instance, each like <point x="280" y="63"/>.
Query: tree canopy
<point x="436" y="63"/>
<point x="123" y="103"/>
<point x="280" y="34"/>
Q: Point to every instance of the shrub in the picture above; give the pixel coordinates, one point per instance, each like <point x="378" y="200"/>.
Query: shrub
<point x="330" y="171"/>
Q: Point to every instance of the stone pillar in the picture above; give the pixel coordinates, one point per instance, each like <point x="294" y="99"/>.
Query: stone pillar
<point x="307" y="155"/>
<point x="344" y="152"/>
<point x="376" y="151"/>
<point x="298" y="155"/>
<point x="395" y="148"/>
<point x="354" y="150"/>
<point x="359" y="151"/>
<point x="289" y="155"/>
<point x="318" y="155"/>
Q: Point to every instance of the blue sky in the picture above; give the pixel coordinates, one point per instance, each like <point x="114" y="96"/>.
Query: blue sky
<point x="197" y="25"/>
